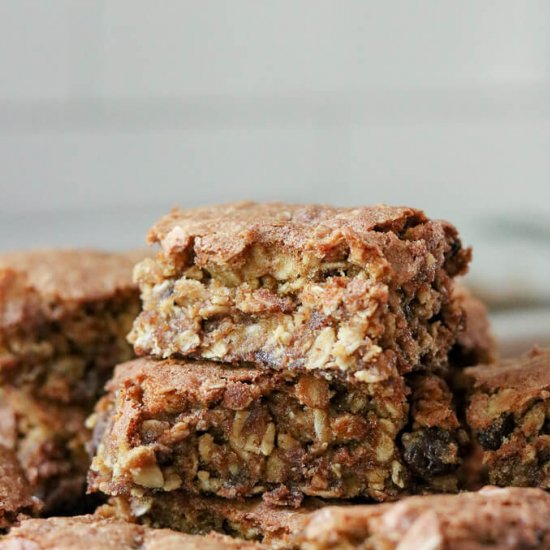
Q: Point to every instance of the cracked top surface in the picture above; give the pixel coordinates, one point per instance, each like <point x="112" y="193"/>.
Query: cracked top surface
<point x="221" y="233"/>
<point x="527" y="374"/>
<point x="202" y="381"/>
<point x="50" y="282"/>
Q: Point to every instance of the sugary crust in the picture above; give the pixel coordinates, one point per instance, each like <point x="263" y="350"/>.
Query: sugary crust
<point x="49" y="441"/>
<point x="489" y="519"/>
<point x="249" y="519"/>
<point x="238" y="431"/>
<point x="97" y="533"/>
<point x="62" y="280"/>
<point x="341" y="291"/>
<point x="16" y="500"/>
<point x="527" y="375"/>
<point x="475" y="344"/>
<point x="221" y="233"/>
<point x="508" y="414"/>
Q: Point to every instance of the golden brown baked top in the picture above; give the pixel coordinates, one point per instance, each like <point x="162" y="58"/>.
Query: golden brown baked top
<point x="527" y="375"/>
<point x="15" y="493"/>
<point x="492" y="518"/>
<point x="206" y="382"/>
<point x="50" y="282"/>
<point x="96" y="533"/>
<point x="202" y="381"/>
<point x="220" y="233"/>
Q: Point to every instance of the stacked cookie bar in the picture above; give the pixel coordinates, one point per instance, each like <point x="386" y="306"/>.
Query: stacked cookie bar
<point x="64" y="316"/>
<point x="290" y="351"/>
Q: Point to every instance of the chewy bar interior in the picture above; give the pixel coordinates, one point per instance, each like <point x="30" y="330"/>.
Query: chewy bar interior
<point x="16" y="498"/>
<point x="64" y="317"/>
<point x="209" y="428"/>
<point x="508" y="415"/>
<point x="99" y="533"/>
<point x="341" y="291"/>
<point x="247" y="519"/>
<point x="493" y="518"/>
<point x="49" y="441"/>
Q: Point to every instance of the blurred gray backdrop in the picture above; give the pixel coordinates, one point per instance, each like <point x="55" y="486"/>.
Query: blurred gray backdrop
<point x="112" y="111"/>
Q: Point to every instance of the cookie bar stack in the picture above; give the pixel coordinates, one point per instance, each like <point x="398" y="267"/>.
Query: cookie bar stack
<point x="290" y="351"/>
<point x="64" y="316"/>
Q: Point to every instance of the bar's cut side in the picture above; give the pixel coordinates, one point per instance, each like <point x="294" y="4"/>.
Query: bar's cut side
<point x="49" y="441"/>
<point x="339" y="290"/>
<point x="475" y="344"/>
<point x="509" y="417"/>
<point x="208" y="428"/>
<point x="16" y="499"/>
<point x="64" y="317"/>
<point x="491" y="519"/>
<point x="98" y="533"/>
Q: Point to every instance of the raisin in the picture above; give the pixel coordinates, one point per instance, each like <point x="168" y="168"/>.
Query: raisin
<point x="491" y="438"/>
<point x="430" y="451"/>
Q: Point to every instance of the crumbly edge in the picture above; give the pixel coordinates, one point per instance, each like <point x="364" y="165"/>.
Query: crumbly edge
<point x="475" y="343"/>
<point x="70" y="359"/>
<point x="342" y="313"/>
<point x="16" y="500"/>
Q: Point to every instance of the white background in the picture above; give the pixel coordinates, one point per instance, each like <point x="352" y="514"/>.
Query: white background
<point x="113" y="111"/>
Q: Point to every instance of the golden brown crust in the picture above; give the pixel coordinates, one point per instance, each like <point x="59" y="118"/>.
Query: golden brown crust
<point x="16" y="500"/>
<point x="49" y="441"/>
<point x="65" y="279"/>
<point x="341" y="291"/>
<point x="493" y="518"/>
<point x="96" y="533"/>
<point x="509" y="416"/>
<point x="527" y="375"/>
<point x="208" y="428"/>
<point x="221" y="233"/>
